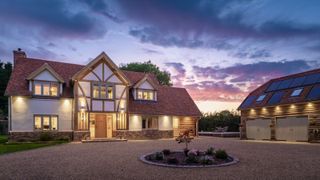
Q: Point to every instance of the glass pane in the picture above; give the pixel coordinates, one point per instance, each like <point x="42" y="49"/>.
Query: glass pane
<point x="37" y="89"/>
<point x="139" y="95"/>
<point x="274" y="86"/>
<point x="276" y="97"/>
<point x="261" y="97"/>
<point x="150" y="97"/>
<point x="54" y="89"/>
<point x="296" y="92"/>
<point x="247" y="102"/>
<point x="144" y="121"/>
<point x="103" y="92"/>
<point x="46" y="123"/>
<point x="37" y="122"/>
<point x="145" y="95"/>
<point x="285" y="84"/>
<point x="46" y="89"/>
<point x="54" y="123"/>
<point x="314" y="93"/>
<point x="95" y="91"/>
<point x="110" y="92"/>
<point x="311" y="79"/>
<point x="298" y="81"/>
<point x="154" y="123"/>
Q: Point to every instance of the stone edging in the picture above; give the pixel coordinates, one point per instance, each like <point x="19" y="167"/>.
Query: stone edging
<point x="143" y="159"/>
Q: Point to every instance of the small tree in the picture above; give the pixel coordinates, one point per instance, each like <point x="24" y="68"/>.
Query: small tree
<point x="184" y="138"/>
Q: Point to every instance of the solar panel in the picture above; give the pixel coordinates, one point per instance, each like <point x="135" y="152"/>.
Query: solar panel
<point x="276" y="97"/>
<point x="298" y="81"/>
<point x="314" y="94"/>
<point x="247" y="102"/>
<point x="274" y="86"/>
<point x="311" y="79"/>
<point x="285" y="84"/>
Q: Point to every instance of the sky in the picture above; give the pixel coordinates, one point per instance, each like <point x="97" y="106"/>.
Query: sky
<point x="218" y="50"/>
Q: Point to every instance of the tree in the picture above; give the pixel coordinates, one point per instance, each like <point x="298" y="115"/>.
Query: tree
<point x="5" y="72"/>
<point x="209" y="122"/>
<point x="147" y="67"/>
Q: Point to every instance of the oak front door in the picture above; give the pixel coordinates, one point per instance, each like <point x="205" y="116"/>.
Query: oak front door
<point x="100" y="126"/>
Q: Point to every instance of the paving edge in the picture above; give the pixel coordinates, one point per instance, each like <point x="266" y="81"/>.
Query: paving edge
<point x="143" y="159"/>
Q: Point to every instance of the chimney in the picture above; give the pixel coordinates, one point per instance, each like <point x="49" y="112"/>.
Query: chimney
<point x="18" y="54"/>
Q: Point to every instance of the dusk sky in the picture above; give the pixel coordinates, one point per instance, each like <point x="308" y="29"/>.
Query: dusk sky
<point x="219" y="50"/>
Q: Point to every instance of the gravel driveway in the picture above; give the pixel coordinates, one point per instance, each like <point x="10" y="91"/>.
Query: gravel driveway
<point x="119" y="160"/>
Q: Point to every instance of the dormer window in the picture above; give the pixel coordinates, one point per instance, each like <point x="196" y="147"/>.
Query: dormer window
<point x="43" y="88"/>
<point x="102" y="91"/>
<point x="145" y="95"/>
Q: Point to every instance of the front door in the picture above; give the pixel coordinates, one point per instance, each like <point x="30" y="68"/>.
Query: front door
<point x="100" y="126"/>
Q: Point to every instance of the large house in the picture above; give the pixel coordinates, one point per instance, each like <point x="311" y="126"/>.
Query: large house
<point x="286" y="109"/>
<point x="97" y="100"/>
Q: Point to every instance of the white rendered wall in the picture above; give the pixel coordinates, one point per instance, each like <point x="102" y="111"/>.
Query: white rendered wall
<point x="45" y="76"/>
<point x="146" y="85"/>
<point x="135" y="123"/>
<point x="23" y="110"/>
<point x="165" y="123"/>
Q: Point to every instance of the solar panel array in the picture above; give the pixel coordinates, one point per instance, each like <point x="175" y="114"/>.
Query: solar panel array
<point x="294" y="82"/>
<point x="276" y="98"/>
<point x="314" y="94"/>
<point x="248" y="101"/>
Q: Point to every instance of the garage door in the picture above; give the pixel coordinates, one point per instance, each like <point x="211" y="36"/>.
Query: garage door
<point x="258" y="129"/>
<point x="292" y="128"/>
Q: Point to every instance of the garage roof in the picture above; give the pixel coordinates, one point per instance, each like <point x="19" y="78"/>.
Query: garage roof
<point x="280" y="90"/>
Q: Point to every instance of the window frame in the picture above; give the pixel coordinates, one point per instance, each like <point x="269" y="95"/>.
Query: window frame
<point x="297" y="89"/>
<point x="147" y="91"/>
<point x="50" y="122"/>
<point x="100" y="85"/>
<point x="147" y="119"/>
<point x="42" y="83"/>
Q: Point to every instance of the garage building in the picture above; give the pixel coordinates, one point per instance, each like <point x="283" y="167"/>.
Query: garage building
<point x="284" y="109"/>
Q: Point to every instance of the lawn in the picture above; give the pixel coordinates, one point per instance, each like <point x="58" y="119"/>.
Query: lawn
<point x="14" y="147"/>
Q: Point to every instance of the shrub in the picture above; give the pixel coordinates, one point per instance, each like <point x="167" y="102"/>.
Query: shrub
<point x="206" y="160"/>
<point x="210" y="151"/>
<point x="186" y="151"/>
<point x="221" y="154"/>
<point x="159" y="156"/>
<point x="172" y="160"/>
<point x="192" y="153"/>
<point x="191" y="159"/>
<point x="45" y="136"/>
<point x="64" y="138"/>
<point x="166" y="152"/>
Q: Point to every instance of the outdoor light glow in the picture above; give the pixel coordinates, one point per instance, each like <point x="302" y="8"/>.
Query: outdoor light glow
<point x="310" y="105"/>
<point x="277" y="108"/>
<point x="292" y="106"/>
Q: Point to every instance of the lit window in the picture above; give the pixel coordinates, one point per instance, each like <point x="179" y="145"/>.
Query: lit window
<point x="46" y="88"/>
<point x="37" y="89"/>
<point x="122" y="122"/>
<point x="149" y="122"/>
<point x="45" y="122"/>
<point x="145" y="94"/>
<point x="261" y="98"/>
<point x="102" y="91"/>
<point x="297" y="92"/>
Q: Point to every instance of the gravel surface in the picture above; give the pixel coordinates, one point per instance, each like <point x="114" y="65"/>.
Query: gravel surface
<point x="119" y="160"/>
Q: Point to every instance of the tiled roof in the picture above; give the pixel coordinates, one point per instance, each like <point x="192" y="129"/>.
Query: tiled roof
<point x="286" y="98"/>
<point x="170" y="101"/>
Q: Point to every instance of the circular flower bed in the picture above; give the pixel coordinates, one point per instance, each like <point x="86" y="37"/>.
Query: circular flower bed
<point x="189" y="158"/>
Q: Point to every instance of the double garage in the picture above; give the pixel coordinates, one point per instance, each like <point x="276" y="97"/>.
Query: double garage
<point x="284" y="128"/>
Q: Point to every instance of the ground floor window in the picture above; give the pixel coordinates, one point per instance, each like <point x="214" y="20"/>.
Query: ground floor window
<point x="83" y="120"/>
<point x="122" y="122"/>
<point x="149" y="122"/>
<point x="46" y="122"/>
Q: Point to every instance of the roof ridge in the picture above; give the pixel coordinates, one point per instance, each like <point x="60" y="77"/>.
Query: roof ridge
<point x="48" y="60"/>
<point x="297" y="74"/>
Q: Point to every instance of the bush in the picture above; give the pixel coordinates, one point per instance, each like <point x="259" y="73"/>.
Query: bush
<point x="166" y="152"/>
<point x="206" y="161"/>
<point x="186" y="151"/>
<point x="192" y="153"/>
<point x="172" y="160"/>
<point x="192" y="159"/>
<point x="64" y="138"/>
<point x="159" y="156"/>
<point x="221" y="154"/>
<point x="46" y="137"/>
<point x="210" y="151"/>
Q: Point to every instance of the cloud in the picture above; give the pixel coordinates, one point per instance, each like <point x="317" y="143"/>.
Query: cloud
<point x="197" y="23"/>
<point x="52" y="18"/>
<point x="178" y="72"/>
<point x="254" y="54"/>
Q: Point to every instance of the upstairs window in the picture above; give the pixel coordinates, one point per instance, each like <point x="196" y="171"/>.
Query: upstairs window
<point x="102" y="91"/>
<point x="145" y="95"/>
<point x="296" y="92"/>
<point x="261" y="98"/>
<point x="46" y="88"/>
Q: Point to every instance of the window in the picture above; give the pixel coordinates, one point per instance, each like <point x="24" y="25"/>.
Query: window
<point x="102" y="91"/>
<point x="46" y="88"/>
<point x="46" y="122"/>
<point x="261" y="98"/>
<point x="122" y="122"/>
<point x="297" y="92"/>
<point x="149" y="122"/>
<point x="146" y="94"/>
